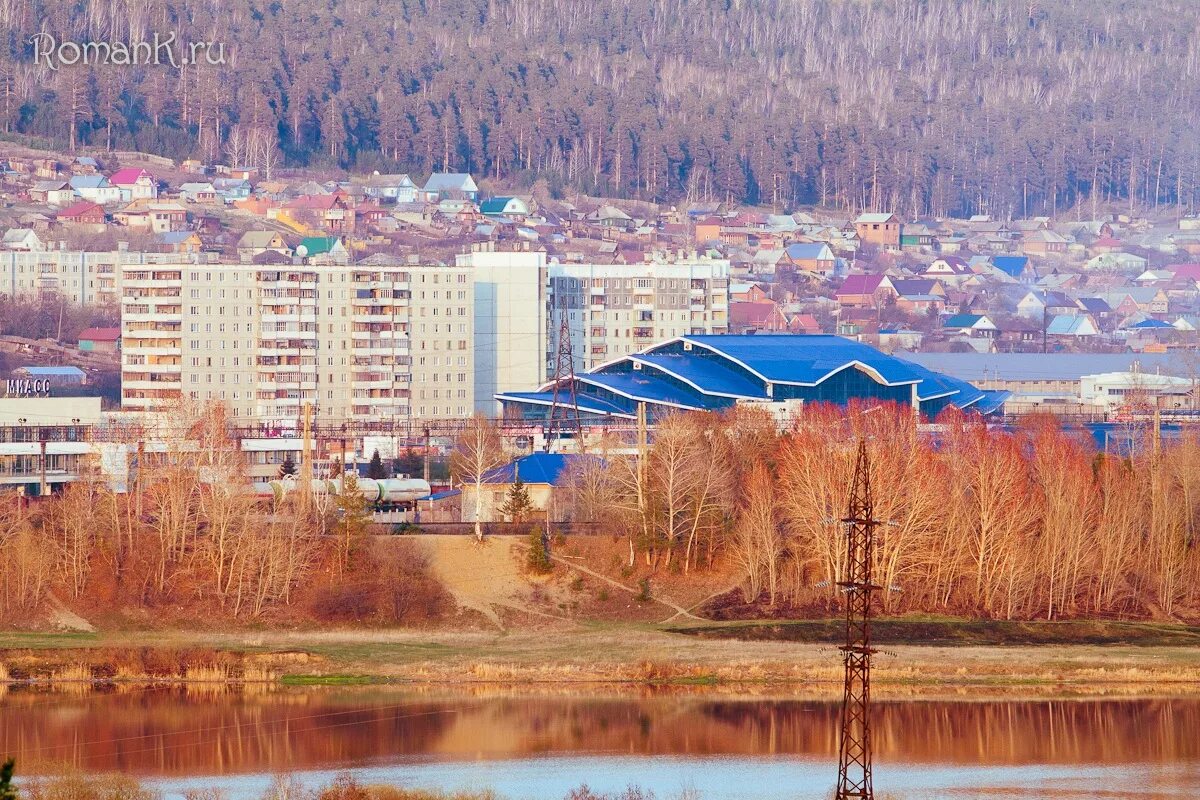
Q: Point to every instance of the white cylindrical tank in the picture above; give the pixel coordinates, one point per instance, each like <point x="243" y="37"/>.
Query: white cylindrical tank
<point x="389" y="490"/>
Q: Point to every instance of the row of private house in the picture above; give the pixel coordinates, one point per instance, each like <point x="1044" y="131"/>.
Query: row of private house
<point x="987" y="306"/>
<point x="449" y="209"/>
<point x="874" y="275"/>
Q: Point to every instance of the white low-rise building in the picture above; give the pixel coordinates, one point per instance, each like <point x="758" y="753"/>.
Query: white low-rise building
<point x="43" y="439"/>
<point x="1114" y="390"/>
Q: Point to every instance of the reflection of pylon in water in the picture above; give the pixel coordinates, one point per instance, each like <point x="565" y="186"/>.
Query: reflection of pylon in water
<point x="854" y="756"/>
<point x="564" y="405"/>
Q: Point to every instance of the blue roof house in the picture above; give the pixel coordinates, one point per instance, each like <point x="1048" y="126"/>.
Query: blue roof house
<point x="543" y="475"/>
<point x="1017" y="267"/>
<point x="977" y="325"/>
<point x="504" y="206"/>
<point x="449" y="185"/>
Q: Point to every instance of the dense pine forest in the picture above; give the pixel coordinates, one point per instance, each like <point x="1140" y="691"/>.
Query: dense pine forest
<point x="1009" y="107"/>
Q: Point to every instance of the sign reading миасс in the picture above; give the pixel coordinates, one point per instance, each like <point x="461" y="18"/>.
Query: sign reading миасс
<point x="26" y="387"/>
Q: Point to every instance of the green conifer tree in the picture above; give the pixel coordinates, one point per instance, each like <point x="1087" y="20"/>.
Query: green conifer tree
<point x="375" y="469"/>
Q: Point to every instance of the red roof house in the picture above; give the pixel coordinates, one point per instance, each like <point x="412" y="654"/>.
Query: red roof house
<point x="765" y="316"/>
<point x="859" y="291"/>
<point x="100" y="340"/>
<point x="135" y="183"/>
<point x="85" y="212"/>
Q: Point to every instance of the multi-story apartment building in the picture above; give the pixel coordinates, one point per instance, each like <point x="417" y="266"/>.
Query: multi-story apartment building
<point x="381" y="340"/>
<point x="374" y="341"/>
<point x="511" y="322"/>
<point x="79" y="277"/>
<point x="152" y="336"/>
<point x="616" y="309"/>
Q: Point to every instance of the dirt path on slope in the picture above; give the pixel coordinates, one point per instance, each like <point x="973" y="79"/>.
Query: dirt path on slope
<point x="662" y="600"/>
<point x="482" y="576"/>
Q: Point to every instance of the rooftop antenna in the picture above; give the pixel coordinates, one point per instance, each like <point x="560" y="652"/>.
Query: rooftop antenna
<point x="854" y="754"/>
<point x="564" y="404"/>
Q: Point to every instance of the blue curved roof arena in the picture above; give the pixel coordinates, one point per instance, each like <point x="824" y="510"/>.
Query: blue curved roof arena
<point x="715" y="371"/>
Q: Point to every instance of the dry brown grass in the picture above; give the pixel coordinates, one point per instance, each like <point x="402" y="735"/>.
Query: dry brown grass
<point x="567" y="654"/>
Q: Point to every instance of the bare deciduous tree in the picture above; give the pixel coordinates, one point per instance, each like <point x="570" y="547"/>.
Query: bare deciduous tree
<point x="477" y="451"/>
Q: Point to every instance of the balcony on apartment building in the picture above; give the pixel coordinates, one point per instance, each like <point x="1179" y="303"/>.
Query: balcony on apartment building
<point x="156" y="279"/>
<point x="158" y="331"/>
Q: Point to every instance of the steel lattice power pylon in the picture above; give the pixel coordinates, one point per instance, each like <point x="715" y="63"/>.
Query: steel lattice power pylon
<point x="854" y="756"/>
<point x="564" y="416"/>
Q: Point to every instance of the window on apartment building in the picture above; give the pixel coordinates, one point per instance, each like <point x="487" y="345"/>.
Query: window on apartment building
<point x="195" y="378"/>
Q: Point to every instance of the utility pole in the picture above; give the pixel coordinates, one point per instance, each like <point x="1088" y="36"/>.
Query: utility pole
<point x="642" y="495"/>
<point x="426" y="454"/>
<point x="342" y="456"/>
<point x="43" y="487"/>
<point x="137" y="476"/>
<point x="1045" y="322"/>
<point x="854" y="755"/>
<point x="306" y="472"/>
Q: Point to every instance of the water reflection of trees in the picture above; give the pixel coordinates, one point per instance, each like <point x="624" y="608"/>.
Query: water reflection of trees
<point x="174" y="733"/>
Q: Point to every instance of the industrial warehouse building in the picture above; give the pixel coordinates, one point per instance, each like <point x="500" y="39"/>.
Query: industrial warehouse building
<point x="780" y="372"/>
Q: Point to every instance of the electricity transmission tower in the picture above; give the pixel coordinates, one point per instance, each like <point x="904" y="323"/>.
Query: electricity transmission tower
<point x="564" y="405"/>
<point x="854" y="755"/>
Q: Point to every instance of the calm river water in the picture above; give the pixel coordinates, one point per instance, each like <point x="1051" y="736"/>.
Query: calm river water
<point x="540" y="746"/>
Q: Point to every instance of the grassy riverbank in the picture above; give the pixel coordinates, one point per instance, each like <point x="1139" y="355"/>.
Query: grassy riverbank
<point x="914" y="653"/>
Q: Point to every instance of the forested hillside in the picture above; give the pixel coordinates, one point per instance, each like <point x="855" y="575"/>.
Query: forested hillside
<point x="1005" y="106"/>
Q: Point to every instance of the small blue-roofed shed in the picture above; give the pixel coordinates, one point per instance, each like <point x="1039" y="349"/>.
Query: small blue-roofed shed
<point x="58" y="376"/>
